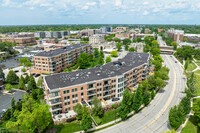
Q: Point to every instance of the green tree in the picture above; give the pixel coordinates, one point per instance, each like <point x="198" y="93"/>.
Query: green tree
<point x="86" y="121"/>
<point x="196" y="109"/>
<point x="186" y="65"/>
<point x="96" y="52"/>
<point x="152" y="94"/>
<point x="174" y="44"/>
<point x="26" y="79"/>
<point x="146" y="98"/>
<point x="139" y="39"/>
<point x="159" y="83"/>
<point x="134" y="41"/>
<point x="185" y="39"/>
<point x="125" y="105"/>
<point x="83" y="61"/>
<point x="30" y="86"/>
<point x="137" y="101"/>
<point x="100" y="61"/>
<point x="32" y="80"/>
<point x="8" y="87"/>
<point x="117" y="40"/>
<point x="131" y="49"/>
<point x="114" y="53"/>
<point x="126" y="47"/>
<point x="12" y="78"/>
<point x="155" y="52"/>
<point x="2" y="75"/>
<point x="91" y="56"/>
<point x="40" y="82"/>
<point x="101" y="54"/>
<point x="21" y="84"/>
<point x="157" y="65"/>
<point x="97" y="109"/>
<point x="78" y="108"/>
<point x="126" y="41"/>
<point x="119" y="46"/>
<point x="108" y="59"/>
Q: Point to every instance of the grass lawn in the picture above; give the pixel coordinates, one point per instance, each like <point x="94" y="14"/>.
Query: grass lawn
<point x="197" y="71"/>
<point x="108" y="117"/>
<point x="198" y="63"/>
<point x="197" y="85"/>
<point x="190" y="127"/>
<point x="191" y="66"/>
<point x="71" y="127"/>
<point x="14" y="129"/>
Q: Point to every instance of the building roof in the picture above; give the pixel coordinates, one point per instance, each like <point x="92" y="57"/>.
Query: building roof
<point x="61" y="50"/>
<point x="112" y="69"/>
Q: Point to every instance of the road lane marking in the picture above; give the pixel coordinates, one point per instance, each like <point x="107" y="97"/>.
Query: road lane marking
<point x="168" y="101"/>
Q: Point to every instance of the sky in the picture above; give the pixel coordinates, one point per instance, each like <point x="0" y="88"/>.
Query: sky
<point x="33" y="12"/>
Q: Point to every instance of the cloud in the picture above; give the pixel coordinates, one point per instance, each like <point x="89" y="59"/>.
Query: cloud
<point x="85" y="7"/>
<point x="118" y="2"/>
<point x="91" y="3"/>
<point x="6" y="2"/>
<point x="146" y="3"/>
<point x="145" y="13"/>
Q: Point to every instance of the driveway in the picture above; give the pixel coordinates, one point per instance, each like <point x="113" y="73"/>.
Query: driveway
<point x="5" y="99"/>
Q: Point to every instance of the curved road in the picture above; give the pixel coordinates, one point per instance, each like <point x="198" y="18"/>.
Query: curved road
<point x="154" y="118"/>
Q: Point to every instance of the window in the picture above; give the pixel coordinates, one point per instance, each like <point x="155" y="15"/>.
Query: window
<point x="65" y="98"/>
<point x="69" y="108"/>
<point x="73" y="101"/>
<point x="65" y="104"/>
<point x="81" y="88"/>
<point x="75" y="89"/>
<point x="65" y="109"/>
<point x="72" y="90"/>
<point x="64" y="92"/>
<point x="67" y="91"/>
<point x="72" y="96"/>
<point x="68" y="103"/>
<point x="97" y="84"/>
<point x="81" y="94"/>
<point x="76" y="101"/>
<point x="76" y="95"/>
<point x="68" y="97"/>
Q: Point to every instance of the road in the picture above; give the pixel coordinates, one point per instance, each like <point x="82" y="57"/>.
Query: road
<point x="154" y="118"/>
<point x="161" y="42"/>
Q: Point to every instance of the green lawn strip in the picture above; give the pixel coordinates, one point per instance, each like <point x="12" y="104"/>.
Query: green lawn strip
<point x="70" y="127"/>
<point x="197" y="85"/>
<point x="191" y="66"/>
<point x="197" y="71"/>
<point x="191" y="127"/>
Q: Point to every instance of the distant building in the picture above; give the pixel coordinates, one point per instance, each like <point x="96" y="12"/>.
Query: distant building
<point x="120" y="29"/>
<point x="59" y="59"/>
<point x="96" y="39"/>
<point x="106" y="29"/>
<point x="177" y="35"/>
<point x="122" y="35"/>
<point x="146" y="31"/>
<point x="22" y="41"/>
<point x="160" y="30"/>
<point x="39" y="34"/>
<point x="90" y="32"/>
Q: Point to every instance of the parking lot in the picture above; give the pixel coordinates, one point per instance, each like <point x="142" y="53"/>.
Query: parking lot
<point x="5" y="99"/>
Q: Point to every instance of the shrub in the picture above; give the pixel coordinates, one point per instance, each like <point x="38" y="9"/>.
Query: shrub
<point x="23" y="70"/>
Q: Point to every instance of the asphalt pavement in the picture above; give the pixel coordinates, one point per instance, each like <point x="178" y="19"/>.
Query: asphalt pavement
<point x="5" y="99"/>
<point x="154" y="117"/>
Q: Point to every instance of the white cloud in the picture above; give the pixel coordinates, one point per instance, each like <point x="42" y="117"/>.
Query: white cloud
<point x="45" y="5"/>
<point x="31" y="8"/>
<point x="91" y="3"/>
<point x="101" y="2"/>
<point x="145" y="13"/>
<point x="146" y="3"/>
<point x="85" y="7"/>
<point x="118" y="3"/>
<point x="6" y="3"/>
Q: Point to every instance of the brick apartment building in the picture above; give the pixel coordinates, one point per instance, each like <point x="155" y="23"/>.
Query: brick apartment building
<point x="64" y="90"/>
<point x="55" y="61"/>
<point x="123" y="35"/>
<point x="120" y="29"/>
<point x="177" y="35"/>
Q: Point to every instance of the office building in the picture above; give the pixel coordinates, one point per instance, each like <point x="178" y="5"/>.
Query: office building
<point x="106" y="29"/>
<point x="96" y="39"/>
<point x="64" y="90"/>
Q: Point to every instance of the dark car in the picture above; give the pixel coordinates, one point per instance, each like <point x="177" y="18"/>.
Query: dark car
<point x="16" y="71"/>
<point x="33" y="74"/>
<point x="115" y="99"/>
<point x="175" y="61"/>
<point x="37" y="75"/>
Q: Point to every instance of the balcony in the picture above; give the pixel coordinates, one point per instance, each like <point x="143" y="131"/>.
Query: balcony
<point x="92" y="88"/>
<point x="91" y="93"/>
<point x="53" y="109"/>
<point x="53" y="97"/>
<point x="55" y="103"/>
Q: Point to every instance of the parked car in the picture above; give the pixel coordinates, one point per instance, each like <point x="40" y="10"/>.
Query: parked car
<point x="37" y="75"/>
<point x="16" y="71"/>
<point x="115" y="99"/>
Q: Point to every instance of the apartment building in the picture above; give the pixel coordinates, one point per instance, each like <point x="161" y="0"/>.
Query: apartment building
<point x="123" y="35"/>
<point x="51" y="34"/>
<point x="22" y="41"/>
<point x="120" y="29"/>
<point x="96" y="39"/>
<point x="146" y="31"/>
<point x="90" y="32"/>
<point x="64" y="90"/>
<point x="106" y="29"/>
<point x="177" y="35"/>
<point x="59" y="59"/>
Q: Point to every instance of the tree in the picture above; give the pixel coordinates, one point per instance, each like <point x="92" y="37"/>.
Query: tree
<point x="91" y="56"/>
<point x="119" y="46"/>
<point x="155" y="51"/>
<point x="146" y="98"/>
<point x="101" y="54"/>
<point x="159" y="83"/>
<point x="30" y="86"/>
<point x="12" y="78"/>
<point x="117" y="40"/>
<point x="131" y="49"/>
<point x="114" y="53"/>
<point x="186" y="65"/>
<point x="137" y="101"/>
<point x="196" y="109"/>
<point x="108" y="59"/>
<point x="126" y="41"/>
<point x="174" y="44"/>
<point x="126" y="47"/>
<point x="97" y="109"/>
<point x="152" y="94"/>
<point x="8" y="87"/>
<point x="40" y="82"/>
<point x="101" y="61"/>
<point x="33" y="83"/>
<point x="83" y="61"/>
<point x="21" y="84"/>
<point x="125" y="105"/>
<point x="2" y="75"/>
<point x="96" y="52"/>
<point x="139" y="39"/>
<point x="185" y="39"/>
<point x="157" y="65"/>
<point x="26" y="79"/>
<point x="134" y="41"/>
<point x="34" y="116"/>
<point x="78" y="108"/>
<point x="86" y="121"/>
<point x="174" y="120"/>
